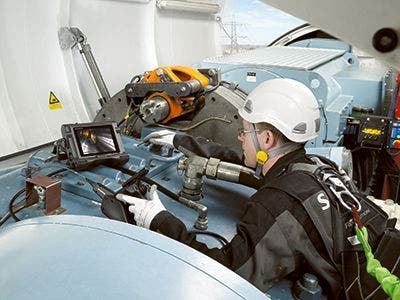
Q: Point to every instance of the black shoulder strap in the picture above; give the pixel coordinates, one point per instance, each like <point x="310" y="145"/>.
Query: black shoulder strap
<point x="315" y="203"/>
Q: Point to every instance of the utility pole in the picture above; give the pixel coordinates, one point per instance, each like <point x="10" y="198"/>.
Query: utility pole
<point x="233" y="36"/>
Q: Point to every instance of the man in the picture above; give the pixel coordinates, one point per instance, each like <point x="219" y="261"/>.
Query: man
<point x="275" y="237"/>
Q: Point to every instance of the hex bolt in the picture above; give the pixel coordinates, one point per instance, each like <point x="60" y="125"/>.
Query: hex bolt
<point x="310" y="281"/>
<point x="159" y="72"/>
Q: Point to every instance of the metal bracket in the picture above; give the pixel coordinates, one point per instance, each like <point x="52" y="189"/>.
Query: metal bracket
<point x="173" y="89"/>
<point x="44" y="190"/>
<point x="69" y="37"/>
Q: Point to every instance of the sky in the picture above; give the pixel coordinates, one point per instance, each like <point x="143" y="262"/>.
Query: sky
<point x="259" y="23"/>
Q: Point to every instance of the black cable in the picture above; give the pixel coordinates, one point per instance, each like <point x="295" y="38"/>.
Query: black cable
<point x="7" y="215"/>
<point x="11" y="203"/>
<point x="13" y="210"/>
<point x="128" y="115"/>
<point x="124" y="121"/>
<point x="215" y="235"/>
<point x="235" y="87"/>
<point x="149" y="181"/>
<point x="207" y="91"/>
<point x="162" y="189"/>
<point x="174" y="196"/>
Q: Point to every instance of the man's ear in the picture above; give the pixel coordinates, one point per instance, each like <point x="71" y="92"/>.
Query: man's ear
<point x="267" y="140"/>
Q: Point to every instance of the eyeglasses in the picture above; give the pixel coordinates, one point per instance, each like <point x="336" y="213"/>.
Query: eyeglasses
<point x="242" y="131"/>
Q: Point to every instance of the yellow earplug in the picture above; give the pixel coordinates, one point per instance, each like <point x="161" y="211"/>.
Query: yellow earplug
<point x="262" y="157"/>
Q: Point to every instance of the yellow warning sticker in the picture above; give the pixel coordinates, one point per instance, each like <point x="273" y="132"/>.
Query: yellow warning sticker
<point x="54" y="103"/>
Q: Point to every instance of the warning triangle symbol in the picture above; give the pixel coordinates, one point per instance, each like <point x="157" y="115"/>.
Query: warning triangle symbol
<point x="53" y="99"/>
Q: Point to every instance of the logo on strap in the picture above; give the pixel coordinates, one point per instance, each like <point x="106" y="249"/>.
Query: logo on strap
<point x="321" y="197"/>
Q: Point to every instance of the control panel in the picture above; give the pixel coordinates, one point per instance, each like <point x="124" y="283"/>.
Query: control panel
<point x="394" y="135"/>
<point x="373" y="131"/>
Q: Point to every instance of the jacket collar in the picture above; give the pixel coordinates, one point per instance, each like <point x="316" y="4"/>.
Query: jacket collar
<point x="282" y="163"/>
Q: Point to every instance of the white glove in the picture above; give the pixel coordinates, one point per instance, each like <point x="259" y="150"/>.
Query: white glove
<point x="144" y="210"/>
<point x="163" y="137"/>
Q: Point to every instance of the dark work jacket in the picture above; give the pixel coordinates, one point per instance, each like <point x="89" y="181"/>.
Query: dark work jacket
<point x="275" y="237"/>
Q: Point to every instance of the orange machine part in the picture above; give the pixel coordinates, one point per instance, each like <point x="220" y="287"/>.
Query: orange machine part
<point x="178" y="74"/>
<point x="175" y="106"/>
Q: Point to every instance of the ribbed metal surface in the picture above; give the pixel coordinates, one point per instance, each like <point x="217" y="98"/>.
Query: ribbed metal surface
<point x="280" y="56"/>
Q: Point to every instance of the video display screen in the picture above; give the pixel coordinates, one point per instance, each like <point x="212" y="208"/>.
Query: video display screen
<point x="96" y="140"/>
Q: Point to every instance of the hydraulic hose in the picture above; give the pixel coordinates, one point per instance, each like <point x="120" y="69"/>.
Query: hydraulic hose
<point x="195" y="167"/>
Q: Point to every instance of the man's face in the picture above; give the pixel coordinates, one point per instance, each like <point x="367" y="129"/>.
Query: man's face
<point x="248" y="147"/>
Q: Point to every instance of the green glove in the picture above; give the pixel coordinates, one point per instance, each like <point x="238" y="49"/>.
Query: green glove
<point x="389" y="282"/>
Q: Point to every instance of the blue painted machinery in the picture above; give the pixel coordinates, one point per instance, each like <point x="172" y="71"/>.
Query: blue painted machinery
<point x="82" y="257"/>
<point x="340" y="83"/>
<point x="82" y="254"/>
<point x="357" y="97"/>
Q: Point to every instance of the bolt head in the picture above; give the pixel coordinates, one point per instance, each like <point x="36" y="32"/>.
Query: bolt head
<point x="159" y="72"/>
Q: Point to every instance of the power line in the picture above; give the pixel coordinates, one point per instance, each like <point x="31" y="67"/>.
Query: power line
<point x="233" y="36"/>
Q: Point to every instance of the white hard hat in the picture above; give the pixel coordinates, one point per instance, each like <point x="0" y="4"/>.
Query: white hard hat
<point x="286" y="104"/>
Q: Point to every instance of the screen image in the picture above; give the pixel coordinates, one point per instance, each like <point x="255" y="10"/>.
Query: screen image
<point x="96" y="140"/>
